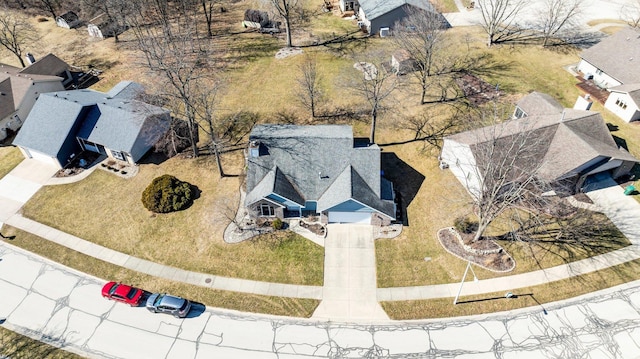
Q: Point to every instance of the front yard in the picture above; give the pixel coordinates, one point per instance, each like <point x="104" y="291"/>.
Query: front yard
<point x="10" y="157"/>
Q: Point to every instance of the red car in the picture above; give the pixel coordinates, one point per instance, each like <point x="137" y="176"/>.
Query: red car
<point x="122" y="293"/>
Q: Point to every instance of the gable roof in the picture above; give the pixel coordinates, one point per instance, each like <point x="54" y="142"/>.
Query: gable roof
<point x="48" y="65"/>
<point x="321" y="163"/>
<point x="563" y="142"/>
<point x="633" y="90"/>
<point x="618" y="55"/>
<point x="117" y="123"/>
<point x="537" y="103"/>
<point x="15" y="85"/>
<point x="376" y="8"/>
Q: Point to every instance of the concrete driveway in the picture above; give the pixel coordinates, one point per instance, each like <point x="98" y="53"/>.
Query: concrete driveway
<point x="19" y="185"/>
<point x="349" y="292"/>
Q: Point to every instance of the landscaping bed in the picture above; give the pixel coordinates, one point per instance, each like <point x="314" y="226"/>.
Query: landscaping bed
<point x="483" y="252"/>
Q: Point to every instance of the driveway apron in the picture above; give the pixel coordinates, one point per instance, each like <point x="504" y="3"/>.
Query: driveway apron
<point x="19" y="185"/>
<point x="349" y="292"/>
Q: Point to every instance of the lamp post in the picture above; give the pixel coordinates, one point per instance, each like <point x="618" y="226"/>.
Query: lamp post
<point x="475" y="279"/>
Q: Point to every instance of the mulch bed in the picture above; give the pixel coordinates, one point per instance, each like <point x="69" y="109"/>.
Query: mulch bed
<point x="476" y="90"/>
<point x="315" y="228"/>
<point x="74" y="167"/>
<point x="496" y="262"/>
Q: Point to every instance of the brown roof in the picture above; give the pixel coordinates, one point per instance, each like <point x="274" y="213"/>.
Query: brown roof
<point x="48" y="65"/>
<point x="618" y="56"/>
<point x="14" y="85"/>
<point x="560" y="143"/>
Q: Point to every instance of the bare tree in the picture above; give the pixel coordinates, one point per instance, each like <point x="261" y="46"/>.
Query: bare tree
<point x="207" y="9"/>
<point x="16" y="33"/>
<point x="285" y="8"/>
<point x="173" y="50"/>
<point x="310" y="94"/>
<point x="420" y="34"/>
<point x="503" y="170"/>
<point x="630" y="13"/>
<point x="499" y="18"/>
<point x="50" y="6"/>
<point x="205" y="105"/>
<point x="373" y="84"/>
<point x="557" y="15"/>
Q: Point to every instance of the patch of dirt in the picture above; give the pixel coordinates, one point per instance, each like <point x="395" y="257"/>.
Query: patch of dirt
<point x="476" y="90"/>
<point x="484" y="252"/>
<point x="315" y="228"/>
<point x="287" y="52"/>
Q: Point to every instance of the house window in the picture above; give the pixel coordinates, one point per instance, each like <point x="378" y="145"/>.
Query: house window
<point x="519" y="113"/>
<point x="598" y="72"/>
<point x="621" y="104"/>
<point x="267" y="210"/>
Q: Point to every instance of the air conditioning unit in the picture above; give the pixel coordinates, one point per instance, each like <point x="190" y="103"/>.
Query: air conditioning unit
<point x="588" y="76"/>
<point x="443" y="165"/>
<point x="384" y="32"/>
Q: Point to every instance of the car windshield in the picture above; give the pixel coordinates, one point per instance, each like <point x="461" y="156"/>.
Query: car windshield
<point x="184" y="305"/>
<point x="158" y="300"/>
<point x="113" y="289"/>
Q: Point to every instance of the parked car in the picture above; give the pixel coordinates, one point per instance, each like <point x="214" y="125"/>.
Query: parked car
<point x="165" y="303"/>
<point x="122" y="293"/>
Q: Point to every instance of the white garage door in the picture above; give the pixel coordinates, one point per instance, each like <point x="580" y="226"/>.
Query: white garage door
<point x="41" y="157"/>
<point x="349" y="217"/>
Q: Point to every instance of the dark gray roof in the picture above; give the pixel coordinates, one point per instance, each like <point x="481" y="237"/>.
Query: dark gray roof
<point x="618" y="55"/>
<point x="563" y="142"/>
<point x="537" y="103"/>
<point x="48" y="65"/>
<point x="376" y="8"/>
<point x="117" y="123"/>
<point x="314" y="163"/>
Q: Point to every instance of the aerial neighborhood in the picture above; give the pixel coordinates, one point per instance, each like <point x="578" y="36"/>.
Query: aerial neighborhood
<point x="278" y="175"/>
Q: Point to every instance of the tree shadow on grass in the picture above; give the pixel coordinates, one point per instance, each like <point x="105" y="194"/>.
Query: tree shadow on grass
<point x="406" y="182"/>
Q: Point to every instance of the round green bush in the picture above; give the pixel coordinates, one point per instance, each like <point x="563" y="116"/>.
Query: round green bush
<point x="167" y="194"/>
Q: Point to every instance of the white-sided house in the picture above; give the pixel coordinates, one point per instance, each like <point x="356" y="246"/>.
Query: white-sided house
<point x="614" y="64"/>
<point x="624" y="101"/>
<point x="349" y="5"/>
<point x="298" y="171"/>
<point x="63" y="124"/>
<point x="18" y="93"/>
<point x="68" y="20"/>
<point x="379" y="16"/>
<point x="570" y="146"/>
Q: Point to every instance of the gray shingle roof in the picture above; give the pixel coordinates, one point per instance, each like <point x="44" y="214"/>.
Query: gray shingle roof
<point x="314" y="163"/>
<point x="119" y="124"/>
<point x="618" y="56"/>
<point x="633" y="90"/>
<point x="537" y="103"/>
<point x="49" y="65"/>
<point x="376" y="8"/>
<point x="14" y="86"/>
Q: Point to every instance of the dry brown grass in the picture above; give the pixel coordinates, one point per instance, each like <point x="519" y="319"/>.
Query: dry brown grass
<point x="10" y="157"/>
<point x="14" y="345"/>
<point x="535" y="296"/>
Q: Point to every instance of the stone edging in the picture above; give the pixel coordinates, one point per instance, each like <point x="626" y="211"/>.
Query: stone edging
<point x="469" y="260"/>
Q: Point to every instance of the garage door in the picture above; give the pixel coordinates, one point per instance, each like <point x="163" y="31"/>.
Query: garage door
<point x="350" y="217"/>
<point x="39" y="156"/>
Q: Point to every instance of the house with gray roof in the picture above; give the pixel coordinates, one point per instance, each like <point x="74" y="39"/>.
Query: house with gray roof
<point x="614" y="64"/>
<point x="68" y="20"/>
<point x="379" y="16"/>
<point x="567" y="147"/>
<point x="299" y="171"/>
<point x="115" y="124"/>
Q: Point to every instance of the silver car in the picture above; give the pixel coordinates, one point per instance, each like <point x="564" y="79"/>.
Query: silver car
<point x="165" y="303"/>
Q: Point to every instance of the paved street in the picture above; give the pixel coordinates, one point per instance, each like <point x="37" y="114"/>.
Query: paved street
<point x="61" y="306"/>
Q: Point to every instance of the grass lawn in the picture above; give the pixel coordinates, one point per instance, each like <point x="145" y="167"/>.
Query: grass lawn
<point x="10" y="157"/>
<point x="535" y="296"/>
<point x="107" y="210"/>
<point x="222" y="299"/>
<point x="17" y="346"/>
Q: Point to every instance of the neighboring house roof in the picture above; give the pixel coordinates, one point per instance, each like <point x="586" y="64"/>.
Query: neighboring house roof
<point x="376" y="8"/>
<point x="537" y="103"/>
<point x="69" y="16"/>
<point x="14" y="86"/>
<point x="618" y="56"/>
<point x="315" y="163"/>
<point x="563" y="141"/>
<point x="118" y="123"/>
<point x="48" y="65"/>
<point x="633" y="90"/>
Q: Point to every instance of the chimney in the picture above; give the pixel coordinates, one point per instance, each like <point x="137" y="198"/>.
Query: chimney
<point x="254" y="149"/>
<point x="30" y="58"/>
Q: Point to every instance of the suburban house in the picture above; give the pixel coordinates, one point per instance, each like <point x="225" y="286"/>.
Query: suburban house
<point x="298" y="171"/>
<point x="570" y="146"/>
<point x="614" y="64"/>
<point x="68" y="20"/>
<point x="63" y="124"/>
<point x="536" y="103"/>
<point x="19" y="90"/>
<point x="49" y="65"/>
<point x="379" y="16"/>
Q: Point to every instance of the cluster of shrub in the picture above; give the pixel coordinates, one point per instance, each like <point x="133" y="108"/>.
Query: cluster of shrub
<point x="167" y="194"/>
